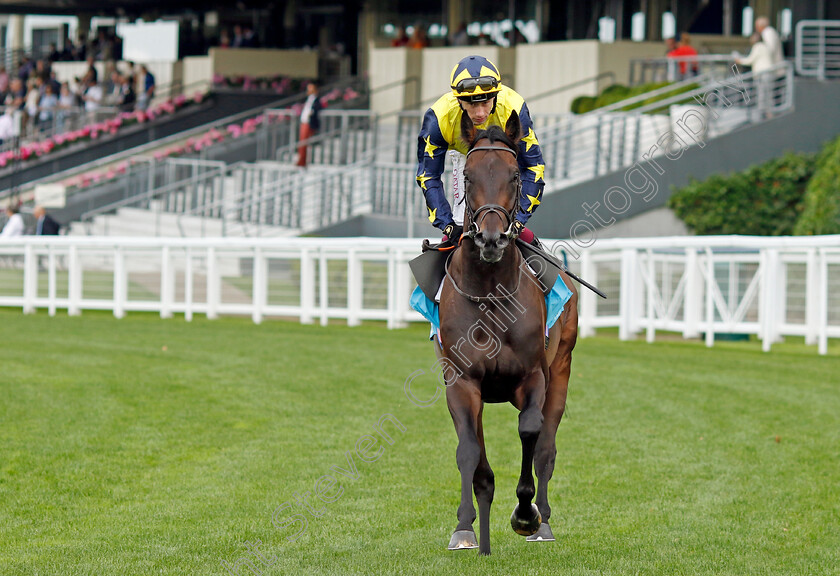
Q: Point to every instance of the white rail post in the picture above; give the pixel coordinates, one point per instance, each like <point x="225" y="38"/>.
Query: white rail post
<point x="307" y="286"/>
<point x="812" y="298"/>
<point x="710" y="303"/>
<point x="51" y="280"/>
<point x="166" y="283"/>
<point x="651" y="294"/>
<point x="588" y="300"/>
<point x="323" y="287"/>
<point x="769" y="280"/>
<point x="392" y="290"/>
<point x="188" y="286"/>
<point x="823" y="291"/>
<point x="258" y="296"/>
<point x="30" y="278"/>
<point x="119" y="282"/>
<point x="74" y="282"/>
<point x="627" y="299"/>
<point x="692" y="295"/>
<point x="213" y="286"/>
<point x="354" y="287"/>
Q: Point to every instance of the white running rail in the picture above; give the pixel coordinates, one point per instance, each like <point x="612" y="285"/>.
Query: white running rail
<point x="761" y="286"/>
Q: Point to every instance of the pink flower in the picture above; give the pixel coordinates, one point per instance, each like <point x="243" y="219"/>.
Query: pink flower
<point x="110" y="174"/>
<point x="198" y="97"/>
<point x="122" y="167"/>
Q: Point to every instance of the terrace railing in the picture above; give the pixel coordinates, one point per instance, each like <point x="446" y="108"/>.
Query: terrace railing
<point x="818" y="48"/>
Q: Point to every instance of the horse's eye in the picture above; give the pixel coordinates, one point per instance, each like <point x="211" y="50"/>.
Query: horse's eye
<point x="515" y="176"/>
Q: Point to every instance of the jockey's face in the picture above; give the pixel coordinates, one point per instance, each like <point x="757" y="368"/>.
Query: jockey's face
<point x="478" y="112"/>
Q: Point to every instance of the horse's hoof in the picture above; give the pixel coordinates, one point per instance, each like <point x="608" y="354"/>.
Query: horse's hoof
<point x="525" y="526"/>
<point x="463" y="540"/>
<point x="544" y="534"/>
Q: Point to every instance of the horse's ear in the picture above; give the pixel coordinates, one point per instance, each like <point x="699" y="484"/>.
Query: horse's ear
<point x="513" y="128"/>
<point x="467" y="129"/>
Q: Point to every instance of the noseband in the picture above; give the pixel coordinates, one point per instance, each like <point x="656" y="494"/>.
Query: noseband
<point x="478" y="216"/>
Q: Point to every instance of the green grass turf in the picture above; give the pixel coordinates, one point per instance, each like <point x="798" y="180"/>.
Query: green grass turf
<point x="118" y="456"/>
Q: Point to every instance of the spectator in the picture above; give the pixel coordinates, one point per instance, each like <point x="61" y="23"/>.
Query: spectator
<point x="771" y="39"/>
<point x="684" y="52"/>
<point x="401" y="39"/>
<point x="670" y="45"/>
<point x="7" y="125"/>
<point x="92" y="98"/>
<point x="54" y="55"/>
<point x="148" y="80"/>
<point x="761" y="61"/>
<point x="14" y="223"/>
<point x="47" y="107"/>
<point x="45" y="225"/>
<point x="33" y="98"/>
<point x="4" y="82"/>
<point x="310" y="121"/>
<point x="460" y="37"/>
<point x="128" y="93"/>
<point x="249" y="38"/>
<point x="24" y="68"/>
<point x="16" y="97"/>
<point x="66" y="103"/>
<point x="224" y="39"/>
<point x="418" y="38"/>
<point x="238" y="38"/>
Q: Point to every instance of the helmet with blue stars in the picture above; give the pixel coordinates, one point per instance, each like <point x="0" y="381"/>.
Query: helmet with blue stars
<point x="475" y="79"/>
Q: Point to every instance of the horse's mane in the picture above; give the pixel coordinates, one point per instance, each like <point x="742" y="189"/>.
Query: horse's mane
<point x="494" y="134"/>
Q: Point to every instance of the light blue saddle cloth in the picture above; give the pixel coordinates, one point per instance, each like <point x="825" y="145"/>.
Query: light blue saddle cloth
<point x="554" y="302"/>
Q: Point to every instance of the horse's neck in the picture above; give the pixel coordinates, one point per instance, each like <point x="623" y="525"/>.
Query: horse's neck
<point x="480" y="278"/>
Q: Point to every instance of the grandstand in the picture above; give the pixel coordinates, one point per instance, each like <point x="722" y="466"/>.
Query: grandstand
<point x="217" y="158"/>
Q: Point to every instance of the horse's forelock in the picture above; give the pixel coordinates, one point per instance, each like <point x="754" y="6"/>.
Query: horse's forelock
<point x="494" y="134"/>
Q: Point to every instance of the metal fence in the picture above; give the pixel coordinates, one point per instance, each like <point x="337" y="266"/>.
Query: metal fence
<point x="818" y="48"/>
<point x="694" y="286"/>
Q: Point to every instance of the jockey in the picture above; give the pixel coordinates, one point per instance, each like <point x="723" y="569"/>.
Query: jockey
<point x="478" y="91"/>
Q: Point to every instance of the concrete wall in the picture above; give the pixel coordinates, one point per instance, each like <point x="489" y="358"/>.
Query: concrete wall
<point x="389" y="66"/>
<point x="548" y="65"/>
<point x="198" y="73"/>
<point x="438" y="63"/>
<point x="616" y="57"/>
<point x="265" y="63"/>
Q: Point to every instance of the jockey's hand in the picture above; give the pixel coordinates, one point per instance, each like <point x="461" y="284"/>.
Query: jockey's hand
<point x="517" y="228"/>
<point x="452" y="233"/>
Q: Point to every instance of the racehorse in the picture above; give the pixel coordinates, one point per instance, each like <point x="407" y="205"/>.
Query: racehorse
<point x="493" y="344"/>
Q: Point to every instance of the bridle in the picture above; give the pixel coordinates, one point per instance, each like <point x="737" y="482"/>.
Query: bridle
<point x="475" y="222"/>
<point x="476" y="217"/>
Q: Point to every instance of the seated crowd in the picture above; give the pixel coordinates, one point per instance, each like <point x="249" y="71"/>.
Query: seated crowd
<point x="46" y="105"/>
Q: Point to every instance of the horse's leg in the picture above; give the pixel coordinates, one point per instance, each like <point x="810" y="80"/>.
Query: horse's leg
<point x="465" y="406"/>
<point x="555" y="405"/>
<point x="525" y="519"/>
<point x="484" y="486"/>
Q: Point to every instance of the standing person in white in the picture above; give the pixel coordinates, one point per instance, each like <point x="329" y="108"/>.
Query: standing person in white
<point x="761" y="61"/>
<point x="14" y="223"/>
<point x="771" y="38"/>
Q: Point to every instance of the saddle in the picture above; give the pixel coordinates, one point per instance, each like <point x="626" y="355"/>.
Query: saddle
<point x="429" y="267"/>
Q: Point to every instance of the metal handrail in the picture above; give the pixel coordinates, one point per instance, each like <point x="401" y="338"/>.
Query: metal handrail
<point x="821" y="56"/>
<point x="217" y="169"/>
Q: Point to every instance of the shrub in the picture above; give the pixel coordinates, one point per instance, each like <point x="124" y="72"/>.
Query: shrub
<point x="821" y="211"/>
<point x="583" y="104"/>
<point x="618" y="92"/>
<point x="766" y="199"/>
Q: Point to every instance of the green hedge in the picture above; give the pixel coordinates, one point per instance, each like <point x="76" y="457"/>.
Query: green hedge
<point x="618" y="92"/>
<point x="766" y="199"/>
<point x="821" y="214"/>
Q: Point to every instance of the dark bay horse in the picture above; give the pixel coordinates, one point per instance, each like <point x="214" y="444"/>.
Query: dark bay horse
<point x="493" y="344"/>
